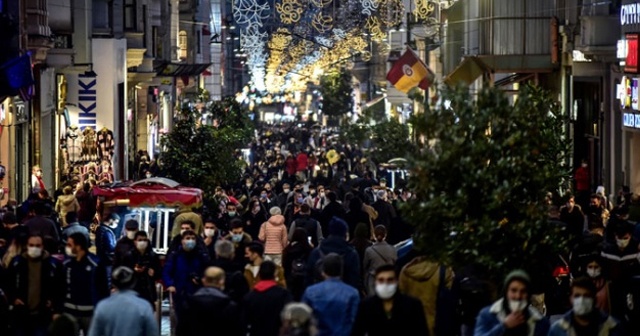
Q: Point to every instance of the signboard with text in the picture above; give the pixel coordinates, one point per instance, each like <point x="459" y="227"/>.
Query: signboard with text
<point x="631" y="120"/>
<point x="631" y="62"/>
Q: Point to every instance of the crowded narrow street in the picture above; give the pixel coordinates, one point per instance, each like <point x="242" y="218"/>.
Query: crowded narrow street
<point x="319" y="168"/>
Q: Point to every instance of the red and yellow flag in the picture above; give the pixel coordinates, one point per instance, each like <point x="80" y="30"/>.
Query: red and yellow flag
<point x="410" y="71"/>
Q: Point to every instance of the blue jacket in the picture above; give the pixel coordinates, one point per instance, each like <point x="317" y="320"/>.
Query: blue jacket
<point x="124" y="313"/>
<point x="607" y="326"/>
<point x="334" y="305"/>
<point x="181" y="268"/>
<point x="339" y="245"/>
<point x="87" y="283"/>
<point x="490" y="321"/>
<point x="105" y="244"/>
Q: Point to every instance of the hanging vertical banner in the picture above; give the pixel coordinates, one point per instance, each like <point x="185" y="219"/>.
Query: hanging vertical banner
<point x="631" y="62"/>
<point x="87" y="100"/>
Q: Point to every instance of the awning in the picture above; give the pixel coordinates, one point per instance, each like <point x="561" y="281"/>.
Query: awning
<point x="515" y="78"/>
<point x="467" y="72"/>
<point x="181" y="70"/>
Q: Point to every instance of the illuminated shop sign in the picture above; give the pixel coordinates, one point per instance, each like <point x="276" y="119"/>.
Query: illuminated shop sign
<point x="631" y="120"/>
<point x="630" y="14"/>
<point x="631" y="61"/>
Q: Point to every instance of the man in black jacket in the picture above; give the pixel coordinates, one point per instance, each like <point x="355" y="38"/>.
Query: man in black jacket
<point x="210" y="311"/>
<point x="262" y="306"/>
<point x="236" y="285"/>
<point x="332" y="209"/>
<point x="35" y="282"/>
<point x="389" y="312"/>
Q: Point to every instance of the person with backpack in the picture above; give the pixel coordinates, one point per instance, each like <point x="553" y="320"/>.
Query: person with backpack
<point x="294" y="262"/>
<point x="311" y="226"/>
<point x="335" y="243"/>
<point x="376" y="255"/>
<point x="426" y="280"/>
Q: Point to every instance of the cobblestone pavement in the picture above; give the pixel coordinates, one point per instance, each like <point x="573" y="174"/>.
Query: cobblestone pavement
<point x="165" y="327"/>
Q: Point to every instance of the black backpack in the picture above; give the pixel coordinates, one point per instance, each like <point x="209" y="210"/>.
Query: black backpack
<point x="299" y="268"/>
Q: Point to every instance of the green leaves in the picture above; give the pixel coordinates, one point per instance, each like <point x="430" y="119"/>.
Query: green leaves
<point x="482" y="179"/>
<point x="202" y="156"/>
<point x="337" y="99"/>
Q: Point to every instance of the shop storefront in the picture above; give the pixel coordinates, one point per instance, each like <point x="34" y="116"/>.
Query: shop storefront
<point x="627" y="93"/>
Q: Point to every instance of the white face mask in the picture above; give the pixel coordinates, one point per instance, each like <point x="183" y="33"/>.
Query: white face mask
<point x="386" y="291"/>
<point x="131" y="234"/>
<point x="286" y="191"/>
<point x="142" y="245"/>
<point x="34" y="252"/>
<point x="594" y="272"/>
<point x="517" y="305"/>
<point x="69" y="251"/>
<point x="622" y="243"/>
<point x="209" y="232"/>
<point x="582" y="305"/>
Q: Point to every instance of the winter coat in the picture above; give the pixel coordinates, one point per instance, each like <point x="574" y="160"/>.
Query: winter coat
<point x="274" y="235"/>
<point x="262" y="307"/>
<point x="407" y="317"/>
<point x="123" y="313"/>
<point x="51" y="281"/>
<point x="211" y="312"/>
<point x="252" y="276"/>
<point x="490" y="321"/>
<point x="334" y="304"/>
<point x="65" y="204"/>
<point x="338" y="245"/>
<point x="87" y="284"/>
<point x="607" y="326"/>
<point x="420" y="278"/>
<point x="87" y="206"/>
<point x="302" y="162"/>
<point x="181" y="268"/>
<point x="380" y="253"/>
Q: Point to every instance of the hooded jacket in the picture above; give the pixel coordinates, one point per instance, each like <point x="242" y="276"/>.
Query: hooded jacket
<point x="65" y="204"/>
<point x="491" y="321"/>
<point x="420" y="278"/>
<point x="262" y="307"/>
<point x="336" y="244"/>
<point x="274" y="235"/>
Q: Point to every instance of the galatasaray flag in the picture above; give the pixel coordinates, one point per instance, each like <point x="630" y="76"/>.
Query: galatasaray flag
<point x="410" y="71"/>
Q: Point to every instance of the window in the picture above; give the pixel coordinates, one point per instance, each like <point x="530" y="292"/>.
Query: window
<point x="182" y="44"/>
<point x="144" y="27"/>
<point x="155" y="45"/>
<point x="199" y="41"/>
<point x="129" y="14"/>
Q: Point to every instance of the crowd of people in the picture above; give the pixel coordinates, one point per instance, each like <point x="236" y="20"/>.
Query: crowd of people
<point x="303" y="244"/>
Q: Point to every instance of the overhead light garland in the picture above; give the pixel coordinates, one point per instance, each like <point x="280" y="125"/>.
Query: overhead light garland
<point x="293" y="45"/>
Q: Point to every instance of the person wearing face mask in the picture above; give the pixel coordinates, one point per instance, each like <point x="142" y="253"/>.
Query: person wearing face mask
<point x="37" y="183"/>
<point x="621" y="263"/>
<point x="146" y="266"/>
<point x="186" y="214"/>
<point x="254" y="217"/>
<point x="210" y="236"/>
<point x="34" y="282"/>
<point x="239" y="238"/>
<point x="593" y="270"/>
<point x="387" y="311"/>
<point x="125" y="245"/>
<point x="377" y="255"/>
<point x="512" y="314"/>
<point x="182" y="272"/>
<point x="281" y="200"/>
<point x="86" y="281"/>
<point x="105" y="241"/>
<point x="585" y="319"/>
